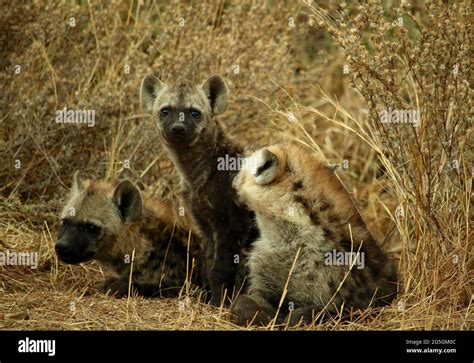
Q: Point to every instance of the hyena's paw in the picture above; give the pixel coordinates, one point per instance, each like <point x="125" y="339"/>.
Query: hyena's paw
<point x="303" y="315"/>
<point x="115" y="287"/>
<point x="215" y="300"/>
<point x="248" y="309"/>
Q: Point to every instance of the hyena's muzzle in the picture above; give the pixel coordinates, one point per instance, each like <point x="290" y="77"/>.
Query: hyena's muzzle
<point x="179" y="125"/>
<point x="77" y="242"/>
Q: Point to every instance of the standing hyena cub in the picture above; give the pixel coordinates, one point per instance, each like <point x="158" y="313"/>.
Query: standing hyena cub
<point x="107" y="222"/>
<point x="184" y="113"/>
<point x="306" y="217"/>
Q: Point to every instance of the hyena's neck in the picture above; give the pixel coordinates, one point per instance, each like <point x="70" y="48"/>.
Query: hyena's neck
<point x="197" y="163"/>
<point x="129" y="244"/>
<point x="138" y="239"/>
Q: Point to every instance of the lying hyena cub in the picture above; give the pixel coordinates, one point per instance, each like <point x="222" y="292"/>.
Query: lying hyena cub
<point x="184" y="113"/>
<point x="106" y="222"/>
<point x="302" y="206"/>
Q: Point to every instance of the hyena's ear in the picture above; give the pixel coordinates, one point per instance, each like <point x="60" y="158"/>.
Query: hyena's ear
<point x="263" y="165"/>
<point x="128" y="200"/>
<point x="77" y="183"/>
<point x="217" y="93"/>
<point x="149" y="90"/>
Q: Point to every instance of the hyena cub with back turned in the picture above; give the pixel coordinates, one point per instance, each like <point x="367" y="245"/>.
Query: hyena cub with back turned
<point x="108" y="222"/>
<point x="184" y="113"/>
<point x="306" y="218"/>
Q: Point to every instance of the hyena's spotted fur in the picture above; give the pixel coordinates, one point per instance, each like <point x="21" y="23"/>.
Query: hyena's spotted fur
<point x="300" y="204"/>
<point x="108" y="221"/>
<point x="184" y="114"/>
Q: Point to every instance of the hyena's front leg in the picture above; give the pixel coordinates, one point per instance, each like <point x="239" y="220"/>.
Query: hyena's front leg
<point x="115" y="286"/>
<point x="222" y="269"/>
<point x="252" y="309"/>
<point x="303" y="315"/>
<point x="308" y="315"/>
<point x="119" y="287"/>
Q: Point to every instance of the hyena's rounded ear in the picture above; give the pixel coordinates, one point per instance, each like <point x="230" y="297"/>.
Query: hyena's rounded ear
<point x="77" y="183"/>
<point x="149" y="90"/>
<point x="263" y="165"/>
<point x="128" y="200"/>
<point x="217" y="93"/>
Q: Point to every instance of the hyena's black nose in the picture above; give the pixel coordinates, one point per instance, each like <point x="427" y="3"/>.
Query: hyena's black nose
<point x="62" y="248"/>
<point x="178" y="129"/>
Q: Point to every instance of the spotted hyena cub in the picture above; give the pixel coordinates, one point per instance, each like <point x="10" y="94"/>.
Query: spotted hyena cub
<point x="306" y="218"/>
<point x="185" y="113"/>
<point x="107" y="222"/>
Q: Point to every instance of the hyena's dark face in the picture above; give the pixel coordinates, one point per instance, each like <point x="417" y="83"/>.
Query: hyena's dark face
<point x="77" y="241"/>
<point x="178" y="124"/>
<point x="183" y="110"/>
<point x="93" y="217"/>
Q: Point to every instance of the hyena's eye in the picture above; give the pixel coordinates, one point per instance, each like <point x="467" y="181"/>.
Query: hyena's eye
<point x="165" y="111"/>
<point x="195" y="114"/>
<point x="91" y="229"/>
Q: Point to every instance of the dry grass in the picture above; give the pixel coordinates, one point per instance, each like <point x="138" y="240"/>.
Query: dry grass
<point x="281" y="69"/>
